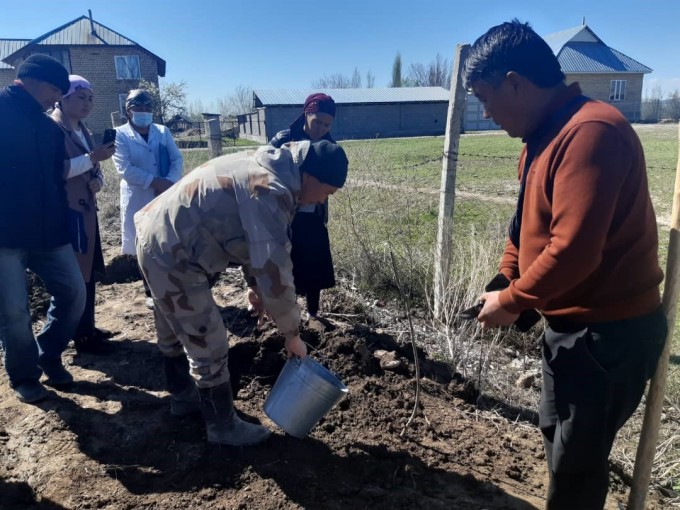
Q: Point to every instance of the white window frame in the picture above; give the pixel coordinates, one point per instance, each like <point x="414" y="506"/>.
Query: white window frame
<point x="128" y="67"/>
<point x="617" y="90"/>
<point x="121" y="105"/>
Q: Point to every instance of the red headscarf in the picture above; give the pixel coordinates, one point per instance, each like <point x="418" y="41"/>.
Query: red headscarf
<point x="319" y="103"/>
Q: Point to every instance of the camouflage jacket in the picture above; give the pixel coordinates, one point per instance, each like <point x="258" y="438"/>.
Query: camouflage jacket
<point x="235" y="209"/>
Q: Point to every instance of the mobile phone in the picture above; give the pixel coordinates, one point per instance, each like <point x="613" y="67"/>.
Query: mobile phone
<point x="109" y="136"/>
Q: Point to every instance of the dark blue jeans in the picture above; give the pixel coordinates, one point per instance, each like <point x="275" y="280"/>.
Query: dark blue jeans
<point x="58" y="268"/>
<point x="594" y="376"/>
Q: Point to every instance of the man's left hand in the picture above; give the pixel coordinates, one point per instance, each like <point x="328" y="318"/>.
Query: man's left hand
<point x="493" y="314"/>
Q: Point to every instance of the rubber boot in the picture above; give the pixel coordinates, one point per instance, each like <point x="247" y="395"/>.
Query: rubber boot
<point x="184" y="393"/>
<point x="222" y="424"/>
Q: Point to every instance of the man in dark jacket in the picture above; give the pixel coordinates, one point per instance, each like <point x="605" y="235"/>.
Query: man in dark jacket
<point x="34" y="232"/>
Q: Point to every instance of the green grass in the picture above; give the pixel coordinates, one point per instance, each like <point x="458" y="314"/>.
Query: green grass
<point x="391" y="204"/>
<point x="391" y="201"/>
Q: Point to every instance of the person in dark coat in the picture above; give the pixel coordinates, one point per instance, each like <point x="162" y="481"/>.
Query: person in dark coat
<point x="34" y="229"/>
<point x="84" y="181"/>
<point x="311" y="249"/>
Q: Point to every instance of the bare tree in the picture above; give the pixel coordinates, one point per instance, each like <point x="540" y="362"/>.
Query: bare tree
<point x="396" y="71"/>
<point x="435" y="74"/>
<point x="370" y="80"/>
<point x="651" y="105"/>
<point x="673" y="105"/>
<point x="340" y="81"/>
<point x="169" y="100"/>
<point x="195" y="109"/>
<point x="334" y="81"/>
<point x="416" y="76"/>
<point x="356" y="79"/>
<point x="240" y="101"/>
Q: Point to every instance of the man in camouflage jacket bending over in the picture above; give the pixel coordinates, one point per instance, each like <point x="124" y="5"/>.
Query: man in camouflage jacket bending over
<point x="234" y="209"/>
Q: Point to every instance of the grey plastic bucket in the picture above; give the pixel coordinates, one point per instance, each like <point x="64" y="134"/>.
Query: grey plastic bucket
<point x="304" y="392"/>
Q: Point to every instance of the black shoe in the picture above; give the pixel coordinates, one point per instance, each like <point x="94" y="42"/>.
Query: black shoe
<point x="31" y="392"/>
<point x="57" y="375"/>
<point x="94" y="345"/>
<point x="103" y="333"/>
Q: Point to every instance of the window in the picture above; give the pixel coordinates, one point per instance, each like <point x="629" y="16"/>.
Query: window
<point x="127" y="67"/>
<point x="62" y="56"/>
<point x="617" y="90"/>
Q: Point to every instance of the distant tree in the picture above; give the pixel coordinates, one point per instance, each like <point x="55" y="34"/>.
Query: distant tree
<point x="396" y="71"/>
<point x="169" y="100"/>
<point x="238" y="102"/>
<point x="370" y="80"/>
<point x="435" y="74"/>
<point x="356" y="79"/>
<point x="673" y="105"/>
<point x="195" y="109"/>
<point x="651" y="105"/>
<point x="340" y="81"/>
<point x="334" y="81"/>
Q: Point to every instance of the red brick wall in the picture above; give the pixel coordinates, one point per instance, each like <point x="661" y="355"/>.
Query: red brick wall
<point x="97" y="65"/>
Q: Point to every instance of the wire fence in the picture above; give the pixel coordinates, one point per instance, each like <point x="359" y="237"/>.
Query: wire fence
<point x="390" y="206"/>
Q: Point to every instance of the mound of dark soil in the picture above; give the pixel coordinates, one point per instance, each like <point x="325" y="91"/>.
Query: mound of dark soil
<point x="111" y="443"/>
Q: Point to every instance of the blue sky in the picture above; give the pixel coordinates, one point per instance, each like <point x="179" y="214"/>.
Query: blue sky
<point x="218" y="45"/>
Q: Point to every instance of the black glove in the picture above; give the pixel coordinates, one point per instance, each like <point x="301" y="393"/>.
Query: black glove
<point x="527" y="318"/>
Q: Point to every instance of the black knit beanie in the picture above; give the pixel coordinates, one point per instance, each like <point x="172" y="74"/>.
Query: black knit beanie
<point x="45" y="68"/>
<point x="327" y="162"/>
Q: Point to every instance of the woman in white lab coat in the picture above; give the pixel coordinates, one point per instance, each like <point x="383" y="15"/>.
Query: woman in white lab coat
<point x="147" y="160"/>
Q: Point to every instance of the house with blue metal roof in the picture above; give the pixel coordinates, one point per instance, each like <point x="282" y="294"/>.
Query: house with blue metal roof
<point x="603" y="72"/>
<point x="111" y="62"/>
<point x="361" y="113"/>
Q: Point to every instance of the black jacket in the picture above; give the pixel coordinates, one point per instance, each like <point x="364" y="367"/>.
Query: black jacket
<point x="33" y="207"/>
<point x="295" y="133"/>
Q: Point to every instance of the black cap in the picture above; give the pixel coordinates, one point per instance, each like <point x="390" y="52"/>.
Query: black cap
<point x="45" y="68"/>
<point x="327" y="162"/>
<point x="138" y="97"/>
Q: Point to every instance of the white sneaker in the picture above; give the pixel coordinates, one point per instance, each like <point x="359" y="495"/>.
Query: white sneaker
<point x="149" y="303"/>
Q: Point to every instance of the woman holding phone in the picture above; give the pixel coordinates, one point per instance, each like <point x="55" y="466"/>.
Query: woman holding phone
<point x="84" y="179"/>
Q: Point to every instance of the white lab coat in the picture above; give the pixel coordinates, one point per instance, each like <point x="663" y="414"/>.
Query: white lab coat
<point x="137" y="163"/>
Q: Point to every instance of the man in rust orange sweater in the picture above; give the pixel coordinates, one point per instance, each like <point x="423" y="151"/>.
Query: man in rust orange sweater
<point x="582" y="249"/>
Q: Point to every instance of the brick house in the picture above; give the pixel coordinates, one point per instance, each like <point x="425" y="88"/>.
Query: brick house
<point x="111" y="62"/>
<point x="603" y="72"/>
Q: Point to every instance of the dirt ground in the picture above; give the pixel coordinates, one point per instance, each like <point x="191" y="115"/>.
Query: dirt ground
<point x="111" y="443"/>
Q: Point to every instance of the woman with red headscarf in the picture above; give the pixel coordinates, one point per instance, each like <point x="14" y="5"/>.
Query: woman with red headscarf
<point x="311" y="249"/>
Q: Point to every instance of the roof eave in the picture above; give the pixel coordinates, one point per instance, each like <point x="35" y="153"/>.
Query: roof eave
<point x="13" y="57"/>
<point x="608" y="72"/>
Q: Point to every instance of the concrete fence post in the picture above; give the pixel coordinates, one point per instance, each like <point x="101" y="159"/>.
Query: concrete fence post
<point x="214" y="136"/>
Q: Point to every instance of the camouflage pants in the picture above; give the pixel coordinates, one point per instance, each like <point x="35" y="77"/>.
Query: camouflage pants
<point x="187" y="319"/>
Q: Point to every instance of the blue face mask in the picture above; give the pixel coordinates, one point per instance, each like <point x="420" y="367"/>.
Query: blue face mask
<point x="142" y="119"/>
